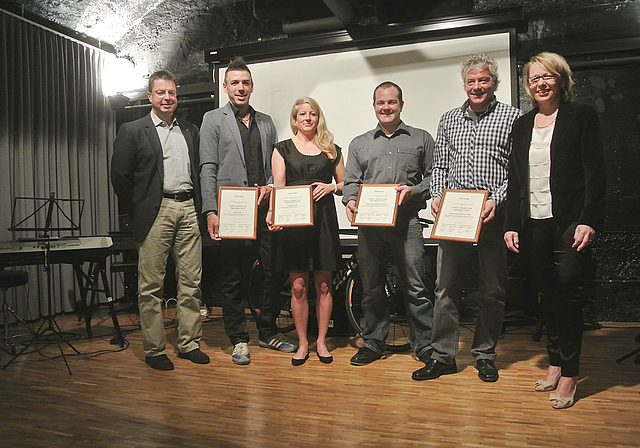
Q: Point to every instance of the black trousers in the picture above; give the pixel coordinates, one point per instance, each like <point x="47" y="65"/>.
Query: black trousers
<point x="558" y="270"/>
<point x="231" y="260"/>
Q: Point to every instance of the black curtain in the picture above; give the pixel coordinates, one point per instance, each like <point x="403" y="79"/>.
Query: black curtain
<point x="56" y="136"/>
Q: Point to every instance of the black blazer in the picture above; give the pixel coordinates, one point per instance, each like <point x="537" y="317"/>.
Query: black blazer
<point x="577" y="168"/>
<point x="137" y="172"/>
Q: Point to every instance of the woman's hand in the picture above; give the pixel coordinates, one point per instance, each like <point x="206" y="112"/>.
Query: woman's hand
<point x="583" y="236"/>
<point x="513" y="241"/>
<point x="320" y="190"/>
<point x="269" y="221"/>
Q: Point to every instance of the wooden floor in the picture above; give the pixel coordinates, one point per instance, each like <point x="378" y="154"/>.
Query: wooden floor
<point x="113" y="399"/>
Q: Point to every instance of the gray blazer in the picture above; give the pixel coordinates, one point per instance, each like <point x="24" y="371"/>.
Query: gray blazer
<point x="222" y="161"/>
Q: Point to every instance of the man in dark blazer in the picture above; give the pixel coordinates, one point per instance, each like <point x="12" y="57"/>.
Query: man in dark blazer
<point x="154" y="173"/>
<point x="235" y="151"/>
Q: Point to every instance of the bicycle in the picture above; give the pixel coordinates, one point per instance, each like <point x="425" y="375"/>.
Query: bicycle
<point x="346" y="281"/>
<point x="399" y="330"/>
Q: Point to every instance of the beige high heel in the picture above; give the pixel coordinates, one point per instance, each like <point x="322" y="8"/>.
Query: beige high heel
<point x="563" y="402"/>
<point x="546" y="386"/>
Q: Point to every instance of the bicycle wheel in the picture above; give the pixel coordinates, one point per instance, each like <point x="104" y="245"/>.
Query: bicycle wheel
<point x="257" y="294"/>
<point x="399" y="331"/>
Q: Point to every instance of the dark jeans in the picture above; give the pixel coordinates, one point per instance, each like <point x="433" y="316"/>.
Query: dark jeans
<point x="558" y="270"/>
<point x="230" y="263"/>
<point x="405" y="243"/>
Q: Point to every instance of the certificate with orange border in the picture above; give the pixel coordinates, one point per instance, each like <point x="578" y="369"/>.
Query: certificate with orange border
<point x="459" y="217"/>
<point x="238" y="212"/>
<point x="292" y="206"/>
<point x="377" y="205"/>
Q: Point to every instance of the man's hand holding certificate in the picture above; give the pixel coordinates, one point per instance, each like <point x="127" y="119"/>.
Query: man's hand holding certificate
<point x="237" y="212"/>
<point x="377" y="205"/>
<point x="459" y="216"/>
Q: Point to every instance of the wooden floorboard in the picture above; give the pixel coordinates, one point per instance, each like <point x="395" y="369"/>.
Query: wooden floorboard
<point x="113" y="399"/>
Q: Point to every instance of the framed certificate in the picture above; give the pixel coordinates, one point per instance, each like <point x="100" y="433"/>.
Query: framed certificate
<point x="377" y="205"/>
<point x="292" y="206"/>
<point x="238" y="212"/>
<point x="459" y="215"/>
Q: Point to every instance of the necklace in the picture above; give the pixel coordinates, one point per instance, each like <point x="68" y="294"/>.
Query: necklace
<point x="544" y="121"/>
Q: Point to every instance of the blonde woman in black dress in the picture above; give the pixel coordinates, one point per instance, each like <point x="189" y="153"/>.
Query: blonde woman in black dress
<point x="310" y="158"/>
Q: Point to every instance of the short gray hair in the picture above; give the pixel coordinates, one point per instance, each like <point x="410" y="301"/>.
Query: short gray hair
<point x="481" y="61"/>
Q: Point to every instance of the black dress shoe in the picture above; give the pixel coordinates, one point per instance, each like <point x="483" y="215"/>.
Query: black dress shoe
<point x="196" y="356"/>
<point x="365" y="356"/>
<point x="325" y="359"/>
<point x="433" y="369"/>
<point x="487" y="370"/>
<point x="298" y="362"/>
<point x="425" y="357"/>
<point x="160" y="362"/>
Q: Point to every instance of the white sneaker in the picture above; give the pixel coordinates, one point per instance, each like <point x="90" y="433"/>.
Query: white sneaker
<point x="241" y="354"/>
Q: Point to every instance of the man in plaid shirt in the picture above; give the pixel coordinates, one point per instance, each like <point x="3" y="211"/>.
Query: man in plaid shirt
<point x="472" y="152"/>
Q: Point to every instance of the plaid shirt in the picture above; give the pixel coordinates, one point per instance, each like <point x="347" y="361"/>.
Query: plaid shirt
<point x="472" y="155"/>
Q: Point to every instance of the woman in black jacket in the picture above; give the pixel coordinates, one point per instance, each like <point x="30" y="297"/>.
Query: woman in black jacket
<point x="555" y="206"/>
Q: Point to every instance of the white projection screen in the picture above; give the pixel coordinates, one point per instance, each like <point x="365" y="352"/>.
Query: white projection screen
<point x="343" y="83"/>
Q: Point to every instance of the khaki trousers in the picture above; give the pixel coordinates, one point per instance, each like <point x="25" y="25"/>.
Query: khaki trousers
<point x="175" y="230"/>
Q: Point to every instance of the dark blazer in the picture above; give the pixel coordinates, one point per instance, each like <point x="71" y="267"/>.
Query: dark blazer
<point x="577" y="168"/>
<point x="137" y="172"/>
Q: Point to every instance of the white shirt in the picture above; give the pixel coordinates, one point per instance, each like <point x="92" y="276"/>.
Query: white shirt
<point x="540" y="201"/>
<point x="175" y="156"/>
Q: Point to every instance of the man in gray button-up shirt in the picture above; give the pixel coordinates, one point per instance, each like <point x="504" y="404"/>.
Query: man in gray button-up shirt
<point x="392" y="153"/>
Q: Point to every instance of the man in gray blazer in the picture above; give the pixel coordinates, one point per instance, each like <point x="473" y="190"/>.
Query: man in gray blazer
<point x="154" y="173"/>
<point x="236" y="143"/>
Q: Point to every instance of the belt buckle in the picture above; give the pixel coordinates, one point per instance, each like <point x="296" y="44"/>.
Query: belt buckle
<point x="183" y="196"/>
<point x="178" y="197"/>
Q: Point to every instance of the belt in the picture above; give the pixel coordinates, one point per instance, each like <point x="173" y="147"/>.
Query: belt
<point x="179" y="197"/>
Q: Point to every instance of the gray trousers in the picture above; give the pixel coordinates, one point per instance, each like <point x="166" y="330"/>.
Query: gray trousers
<point x="451" y="270"/>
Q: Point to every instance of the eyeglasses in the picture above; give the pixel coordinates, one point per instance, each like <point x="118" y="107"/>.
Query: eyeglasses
<point x="546" y="77"/>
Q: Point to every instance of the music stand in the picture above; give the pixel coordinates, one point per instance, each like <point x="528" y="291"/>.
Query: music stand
<point x="631" y="353"/>
<point x="49" y="324"/>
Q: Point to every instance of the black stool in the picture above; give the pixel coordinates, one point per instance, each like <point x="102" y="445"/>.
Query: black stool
<point x="10" y="279"/>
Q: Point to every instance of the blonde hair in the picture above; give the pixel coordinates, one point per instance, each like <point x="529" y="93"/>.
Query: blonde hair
<point x="323" y="138"/>
<point x="556" y="65"/>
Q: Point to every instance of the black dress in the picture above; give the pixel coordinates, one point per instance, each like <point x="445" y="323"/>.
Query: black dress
<point x="317" y="248"/>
